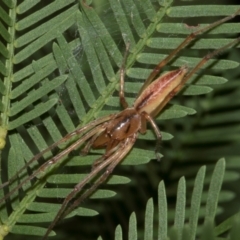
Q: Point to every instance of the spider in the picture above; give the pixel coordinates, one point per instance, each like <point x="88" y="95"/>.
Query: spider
<point x="118" y="132"/>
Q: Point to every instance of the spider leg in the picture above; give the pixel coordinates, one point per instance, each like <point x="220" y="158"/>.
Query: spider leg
<point x="66" y="138"/>
<point x="122" y="75"/>
<point x="146" y="116"/>
<point x="105" y="175"/>
<point x="54" y="160"/>
<point x="185" y="43"/>
<point x="109" y="163"/>
<point x="108" y="153"/>
<point x="206" y="58"/>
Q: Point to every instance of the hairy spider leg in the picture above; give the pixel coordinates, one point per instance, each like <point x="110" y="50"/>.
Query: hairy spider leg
<point x="56" y="158"/>
<point x="110" y="163"/>
<point x="181" y="46"/>
<point x="64" y="139"/>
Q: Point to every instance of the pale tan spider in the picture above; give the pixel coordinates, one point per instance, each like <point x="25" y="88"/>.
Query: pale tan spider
<point x="118" y="132"/>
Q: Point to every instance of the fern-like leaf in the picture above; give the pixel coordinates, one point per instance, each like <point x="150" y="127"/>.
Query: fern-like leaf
<point x="185" y="226"/>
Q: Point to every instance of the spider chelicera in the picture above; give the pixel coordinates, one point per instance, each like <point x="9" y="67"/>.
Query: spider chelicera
<point x="118" y="132"/>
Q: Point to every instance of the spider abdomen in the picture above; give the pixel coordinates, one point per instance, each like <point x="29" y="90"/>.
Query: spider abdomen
<point x="155" y="94"/>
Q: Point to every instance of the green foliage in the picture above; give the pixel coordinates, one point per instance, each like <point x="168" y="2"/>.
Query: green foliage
<point x="59" y="67"/>
<point x="185" y="222"/>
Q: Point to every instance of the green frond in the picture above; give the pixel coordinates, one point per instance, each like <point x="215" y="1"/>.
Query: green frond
<point x="186" y="223"/>
<point x="59" y="69"/>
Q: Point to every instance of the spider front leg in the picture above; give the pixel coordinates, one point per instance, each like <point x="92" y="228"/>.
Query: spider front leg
<point x="64" y="139"/>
